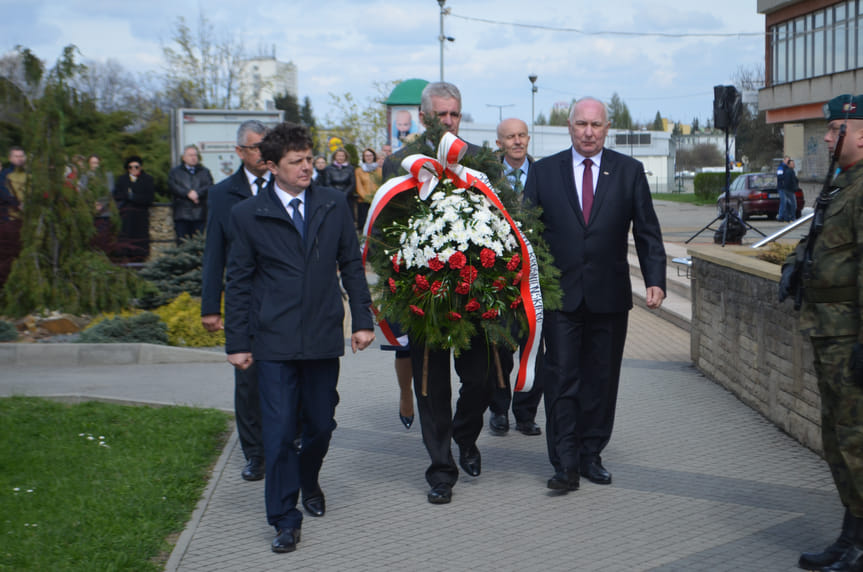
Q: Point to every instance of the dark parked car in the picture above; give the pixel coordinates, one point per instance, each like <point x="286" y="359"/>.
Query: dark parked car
<point x="756" y="194"/>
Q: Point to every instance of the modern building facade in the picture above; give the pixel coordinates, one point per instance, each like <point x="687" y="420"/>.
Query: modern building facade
<point x="813" y="52"/>
<point x="262" y="79"/>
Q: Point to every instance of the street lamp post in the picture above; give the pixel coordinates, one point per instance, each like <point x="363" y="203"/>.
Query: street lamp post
<point x="443" y="12"/>
<point x="532" y="78"/>
<point x="499" y="109"/>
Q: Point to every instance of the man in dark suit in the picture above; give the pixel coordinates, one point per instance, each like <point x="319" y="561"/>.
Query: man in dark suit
<point x="439" y="426"/>
<point x="283" y="305"/>
<point x="512" y="140"/>
<point x="250" y="179"/>
<point x="590" y="196"/>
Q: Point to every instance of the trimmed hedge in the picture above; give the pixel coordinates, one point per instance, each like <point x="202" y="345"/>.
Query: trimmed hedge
<point x="709" y="186"/>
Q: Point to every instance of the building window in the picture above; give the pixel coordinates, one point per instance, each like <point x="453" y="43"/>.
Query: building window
<point x="621" y="139"/>
<point x="822" y="42"/>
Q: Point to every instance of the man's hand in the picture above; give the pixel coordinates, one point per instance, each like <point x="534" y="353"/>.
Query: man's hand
<point x="655" y="296"/>
<point x="786" y="283"/>
<point x="857" y="363"/>
<point x="242" y="360"/>
<point x="193" y="196"/>
<point x="361" y="339"/>
<point x="212" y="322"/>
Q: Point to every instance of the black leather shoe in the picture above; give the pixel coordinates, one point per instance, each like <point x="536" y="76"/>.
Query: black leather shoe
<point x="564" y="481"/>
<point x="314" y="503"/>
<point x="441" y="493"/>
<point x="593" y="471"/>
<point x="286" y="540"/>
<point x="832" y="554"/>
<point x="851" y="561"/>
<point x="498" y="423"/>
<point x="470" y="460"/>
<point x="528" y="428"/>
<point x="254" y="469"/>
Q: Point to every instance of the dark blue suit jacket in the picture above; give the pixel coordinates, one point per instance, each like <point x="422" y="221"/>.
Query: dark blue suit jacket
<point x="220" y="200"/>
<point x="282" y="298"/>
<point x="592" y="257"/>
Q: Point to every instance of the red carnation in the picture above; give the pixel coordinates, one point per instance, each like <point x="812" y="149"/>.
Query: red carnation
<point x="486" y="257"/>
<point x="468" y="274"/>
<point x="392" y="284"/>
<point x="457" y="261"/>
<point x="516" y="303"/>
<point x="417" y="310"/>
<point x="422" y="282"/>
<point x="517" y="280"/>
<point x="489" y="314"/>
<point x="462" y="288"/>
<point x="396" y="262"/>
<point x="472" y="306"/>
<point x="435" y="264"/>
<point x="514" y="262"/>
<point x="453" y="316"/>
<point x="499" y="284"/>
<point x="436" y="285"/>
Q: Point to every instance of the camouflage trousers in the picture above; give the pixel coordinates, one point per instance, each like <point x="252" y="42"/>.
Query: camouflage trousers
<point x="841" y="418"/>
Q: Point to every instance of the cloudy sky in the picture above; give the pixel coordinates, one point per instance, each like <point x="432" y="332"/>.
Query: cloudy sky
<point x="658" y="55"/>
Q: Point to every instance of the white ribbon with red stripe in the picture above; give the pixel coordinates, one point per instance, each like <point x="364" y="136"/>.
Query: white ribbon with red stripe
<point x="425" y="174"/>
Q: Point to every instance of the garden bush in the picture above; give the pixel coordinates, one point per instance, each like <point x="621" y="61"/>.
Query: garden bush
<point x="8" y="333"/>
<point x="183" y="319"/>
<point x="145" y="327"/>
<point x="178" y="270"/>
<point x="708" y="186"/>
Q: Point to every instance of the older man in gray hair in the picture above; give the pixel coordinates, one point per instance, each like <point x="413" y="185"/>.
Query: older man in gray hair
<point x="251" y="178"/>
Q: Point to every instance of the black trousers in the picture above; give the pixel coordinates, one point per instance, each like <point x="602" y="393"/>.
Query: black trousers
<point x="524" y="403"/>
<point x="583" y="353"/>
<point x="438" y="425"/>
<point x="186" y="228"/>
<point x="247" y="410"/>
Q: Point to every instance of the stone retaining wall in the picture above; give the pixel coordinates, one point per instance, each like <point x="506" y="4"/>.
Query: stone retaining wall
<point x="745" y="340"/>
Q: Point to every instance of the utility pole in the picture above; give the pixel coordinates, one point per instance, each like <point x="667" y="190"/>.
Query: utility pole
<point x="500" y="109"/>
<point x="443" y="12"/>
<point x="532" y="78"/>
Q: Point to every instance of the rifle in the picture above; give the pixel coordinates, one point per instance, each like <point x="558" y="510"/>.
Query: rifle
<point x="803" y="266"/>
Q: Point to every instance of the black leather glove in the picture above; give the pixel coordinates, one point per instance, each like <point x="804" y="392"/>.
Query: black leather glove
<point x="787" y="287"/>
<point x="857" y="363"/>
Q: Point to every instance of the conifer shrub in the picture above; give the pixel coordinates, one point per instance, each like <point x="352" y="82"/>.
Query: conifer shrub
<point x="8" y="333"/>
<point x="183" y="319"/>
<point x="178" y="270"/>
<point x="145" y="327"/>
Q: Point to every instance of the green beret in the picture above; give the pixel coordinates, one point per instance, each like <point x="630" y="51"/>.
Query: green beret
<point x="844" y="107"/>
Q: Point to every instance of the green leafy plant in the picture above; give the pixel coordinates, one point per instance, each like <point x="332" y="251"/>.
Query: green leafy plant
<point x="709" y="186"/>
<point x="177" y="271"/>
<point x="183" y="319"/>
<point x="8" y="332"/>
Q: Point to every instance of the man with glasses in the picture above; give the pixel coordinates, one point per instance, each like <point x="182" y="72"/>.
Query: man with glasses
<point x="250" y="179"/>
<point x="590" y="198"/>
<point x="134" y="192"/>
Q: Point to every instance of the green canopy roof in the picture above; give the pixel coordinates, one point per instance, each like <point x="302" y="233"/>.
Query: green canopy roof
<point x="408" y="92"/>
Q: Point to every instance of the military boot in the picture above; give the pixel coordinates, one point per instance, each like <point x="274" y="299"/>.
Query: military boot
<point x="831" y="554"/>
<point x="852" y="559"/>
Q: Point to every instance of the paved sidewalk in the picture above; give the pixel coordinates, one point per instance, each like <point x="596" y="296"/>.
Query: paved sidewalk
<point x="701" y="482"/>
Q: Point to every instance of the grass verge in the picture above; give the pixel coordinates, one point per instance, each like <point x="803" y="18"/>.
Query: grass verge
<point x="683" y="198"/>
<point x="97" y="486"/>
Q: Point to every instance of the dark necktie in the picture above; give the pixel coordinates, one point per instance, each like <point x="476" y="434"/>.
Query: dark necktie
<point x="260" y="182"/>
<point x="587" y="189"/>
<point x="298" y="217"/>
<point x="516" y="184"/>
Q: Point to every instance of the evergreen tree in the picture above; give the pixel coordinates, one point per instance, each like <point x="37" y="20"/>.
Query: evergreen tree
<point x="287" y="102"/>
<point x="657" y="123"/>
<point x="57" y="268"/>
<point x="307" y="117"/>
<point x="619" y="112"/>
<point x="540" y="119"/>
<point x="695" y="124"/>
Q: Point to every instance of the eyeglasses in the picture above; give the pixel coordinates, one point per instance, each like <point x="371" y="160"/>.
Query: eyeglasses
<point x="255" y="147"/>
<point x="136" y="167"/>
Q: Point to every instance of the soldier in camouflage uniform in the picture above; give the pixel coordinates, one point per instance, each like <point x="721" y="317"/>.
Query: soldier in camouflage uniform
<point x="831" y="317"/>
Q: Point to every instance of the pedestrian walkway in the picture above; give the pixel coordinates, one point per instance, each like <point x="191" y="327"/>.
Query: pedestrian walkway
<point x="701" y="482"/>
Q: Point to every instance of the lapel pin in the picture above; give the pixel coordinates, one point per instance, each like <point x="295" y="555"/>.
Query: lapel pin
<point x="605" y="172"/>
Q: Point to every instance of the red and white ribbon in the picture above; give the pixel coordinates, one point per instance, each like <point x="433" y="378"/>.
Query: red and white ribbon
<point x="425" y="174"/>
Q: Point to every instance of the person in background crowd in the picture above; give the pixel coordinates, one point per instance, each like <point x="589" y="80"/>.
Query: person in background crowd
<point x="319" y="174"/>
<point x="133" y="193"/>
<point x="368" y="177"/>
<point x="340" y="176"/>
<point x="189" y="183"/>
<point x="13" y="184"/>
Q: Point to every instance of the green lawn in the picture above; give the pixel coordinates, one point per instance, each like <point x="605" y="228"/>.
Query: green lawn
<point x="683" y="198"/>
<point x="96" y="486"/>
